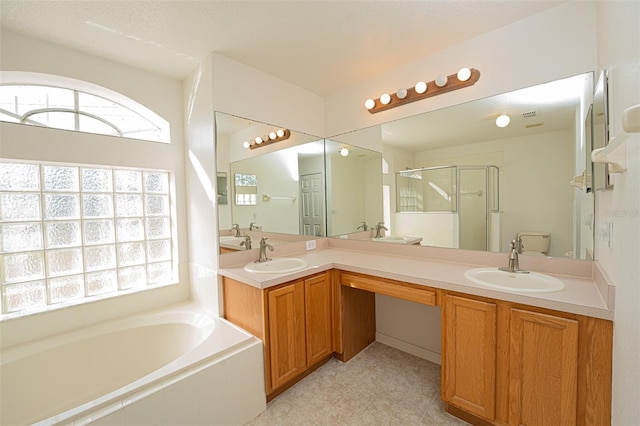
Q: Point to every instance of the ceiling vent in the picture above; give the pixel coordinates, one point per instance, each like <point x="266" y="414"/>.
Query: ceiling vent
<point x="528" y="126"/>
<point x="530" y="114"/>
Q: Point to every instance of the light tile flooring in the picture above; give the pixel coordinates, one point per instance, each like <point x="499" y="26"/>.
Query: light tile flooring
<point x="379" y="386"/>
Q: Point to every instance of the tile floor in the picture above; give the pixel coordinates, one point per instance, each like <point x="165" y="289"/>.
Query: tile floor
<point x="379" y="386"/>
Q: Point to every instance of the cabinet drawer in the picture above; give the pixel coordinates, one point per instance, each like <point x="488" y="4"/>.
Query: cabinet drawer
<point x="387" y="287"/>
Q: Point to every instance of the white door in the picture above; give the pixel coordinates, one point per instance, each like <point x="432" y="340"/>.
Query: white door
<point x="312" y="216"/>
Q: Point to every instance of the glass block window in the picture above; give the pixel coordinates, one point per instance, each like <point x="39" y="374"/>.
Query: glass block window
<point x="70" y="109"/>
<point x="68" y="233"/>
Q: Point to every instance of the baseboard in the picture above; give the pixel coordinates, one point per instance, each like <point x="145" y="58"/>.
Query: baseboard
<point x="409" y="348"/>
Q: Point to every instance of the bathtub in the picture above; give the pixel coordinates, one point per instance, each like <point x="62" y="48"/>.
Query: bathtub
<point x="174" y="366"/>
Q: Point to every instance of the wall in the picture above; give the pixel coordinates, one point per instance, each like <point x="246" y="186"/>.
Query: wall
<point x="555" y="44"/>
<point x="221" y="84"/>
<point x="512" y="57"/>
<point x="619" y="52"/>
<point x="21" y="53"/>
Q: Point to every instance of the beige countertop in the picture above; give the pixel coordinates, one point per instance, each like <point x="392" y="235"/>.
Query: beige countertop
<point x="581" y="294"/>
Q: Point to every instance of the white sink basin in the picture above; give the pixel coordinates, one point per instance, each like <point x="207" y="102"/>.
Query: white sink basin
<point x="397" y="239"/>
<point x="532" y="282"/>
<point x="231" y="242"/>
<point x="278" y="265"/>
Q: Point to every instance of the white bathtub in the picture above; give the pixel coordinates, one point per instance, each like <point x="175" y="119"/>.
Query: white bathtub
<point x="178" y="365"/>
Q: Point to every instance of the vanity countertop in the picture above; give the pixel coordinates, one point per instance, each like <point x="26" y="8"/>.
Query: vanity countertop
<point x="580" y="295"/>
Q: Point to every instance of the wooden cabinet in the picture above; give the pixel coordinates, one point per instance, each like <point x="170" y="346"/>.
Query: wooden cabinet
<point x="543" y="362"/>
<point x="469" y="361"/>
<point x="319" y="315"/>
<point x="511" y="364"/>
<point x="287" y="334"/>
<point x="294" y="320"/>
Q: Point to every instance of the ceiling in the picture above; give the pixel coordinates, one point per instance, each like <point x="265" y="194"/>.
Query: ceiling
<point x="321" y="46"/>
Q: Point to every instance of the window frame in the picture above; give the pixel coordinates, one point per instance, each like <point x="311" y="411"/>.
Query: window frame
<point x="14" y="78"/>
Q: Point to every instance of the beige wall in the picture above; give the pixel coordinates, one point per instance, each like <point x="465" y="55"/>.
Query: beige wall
<point x="618" y="49"/>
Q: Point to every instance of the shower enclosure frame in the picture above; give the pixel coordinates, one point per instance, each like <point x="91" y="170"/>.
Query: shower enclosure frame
<point x="491" y="191"/>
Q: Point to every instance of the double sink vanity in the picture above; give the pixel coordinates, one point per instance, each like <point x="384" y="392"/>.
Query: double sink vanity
<point x="530" y="349"/>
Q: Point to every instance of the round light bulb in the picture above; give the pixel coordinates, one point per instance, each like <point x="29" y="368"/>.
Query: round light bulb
<point x="280" y="133"/>
<point x="344" y="152"/>
<point x="369" y="103"/>
<point x="464" y="74"/>
<point x="272" y="135"/>
<point x="258" y="140"/>
<point x="385" y="98"/>
<point x="441" y="81"/>
<point x="503" y="120"/>
<point x="246" y="144"/>
<point x="421" y="87"/>
<point x="401" y="93"/>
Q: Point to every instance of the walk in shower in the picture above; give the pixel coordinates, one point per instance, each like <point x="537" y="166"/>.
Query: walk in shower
<point x="452" y="206"/>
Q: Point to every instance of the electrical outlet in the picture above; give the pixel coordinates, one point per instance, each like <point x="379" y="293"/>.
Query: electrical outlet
<point x="311" y="244"/>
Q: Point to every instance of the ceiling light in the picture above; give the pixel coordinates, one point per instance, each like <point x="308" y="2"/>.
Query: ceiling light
<point x="465" y="77"/>
<point x="503" y="120"/>
<point x="344" y="152"/>
<point x="421" y="87"/>
<point x="464" y="74"/>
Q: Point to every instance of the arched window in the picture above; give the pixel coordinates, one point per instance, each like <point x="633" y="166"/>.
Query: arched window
<point x="61" y="103"/>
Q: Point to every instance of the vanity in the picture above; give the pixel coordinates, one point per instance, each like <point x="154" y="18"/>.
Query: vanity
<point x="541" y="356"/>
<point x="507" y="357"/>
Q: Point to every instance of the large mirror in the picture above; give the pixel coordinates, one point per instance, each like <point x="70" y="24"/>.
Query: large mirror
<point x="456" y="179"/>
<point x="299" y="188"/>
<point x="447" y="178"/>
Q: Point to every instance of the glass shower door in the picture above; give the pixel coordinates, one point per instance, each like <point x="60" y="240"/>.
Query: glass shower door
<point x="473" y="208"/>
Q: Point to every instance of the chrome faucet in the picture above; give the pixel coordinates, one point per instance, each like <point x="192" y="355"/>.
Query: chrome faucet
<point x="253" y="226"/>
<point x="364" y="226"/>
<point x="519" y="245"/>
<point x="236" y="228"/>
<point x="514" y="265"/>
<point x="379" y="227"/>
<point x="246" y="243"/>
<point x="263" y="250"/>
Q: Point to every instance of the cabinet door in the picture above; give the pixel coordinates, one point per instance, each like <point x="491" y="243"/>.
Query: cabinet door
<point x="286" y="333"/>
<point x="470" y="355"/>
<point x="318" y="299"/>
<point x="543" y="363"/>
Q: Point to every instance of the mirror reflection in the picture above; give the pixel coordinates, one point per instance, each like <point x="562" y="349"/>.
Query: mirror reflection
<point x="461" y="178"/>
<point x="276" y="188"/>
<point x="456" y="177"/>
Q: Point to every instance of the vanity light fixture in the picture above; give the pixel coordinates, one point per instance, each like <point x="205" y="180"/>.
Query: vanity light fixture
<point x="268" y="139"/>
<point x="503" y="120"/>
<point x="442" y="84"/>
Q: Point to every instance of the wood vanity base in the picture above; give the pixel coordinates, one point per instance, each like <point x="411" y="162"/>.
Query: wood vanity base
<point x="503" y="363"/>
